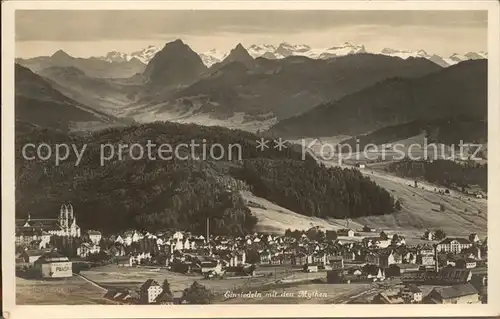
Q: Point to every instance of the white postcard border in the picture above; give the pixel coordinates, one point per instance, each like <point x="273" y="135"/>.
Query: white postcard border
<point x="11" y="310"/>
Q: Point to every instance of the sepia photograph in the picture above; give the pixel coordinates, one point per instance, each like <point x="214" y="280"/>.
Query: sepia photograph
<point x="281" y="155"/>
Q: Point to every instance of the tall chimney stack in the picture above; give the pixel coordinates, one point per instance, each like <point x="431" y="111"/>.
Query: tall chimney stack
<point x="436" y="259"/>
<point x="208" y="236"/>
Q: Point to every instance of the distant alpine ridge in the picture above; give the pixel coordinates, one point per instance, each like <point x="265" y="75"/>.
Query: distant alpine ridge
<point x="353" y="92"/>
<point x="284" y="49"/>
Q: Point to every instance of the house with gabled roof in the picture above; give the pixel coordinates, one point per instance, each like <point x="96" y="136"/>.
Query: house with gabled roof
<point x="87" y="248"/>
<point x="388" y="258"/>
<point x="388" y="297"/>
<point x="346" y="232"/>
<point x="94" y="236"/>
<point x="119" y="239"/>
<point x="149" y="291"/>
<point x="456" y="294"/>
<point x="32" y="255"/>
<point x="411" y="294"/>
<point x="473" y="238"/>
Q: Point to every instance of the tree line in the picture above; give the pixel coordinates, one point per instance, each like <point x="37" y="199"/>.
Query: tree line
<point x="444" y="172"/>
<point x="181" y="194"/>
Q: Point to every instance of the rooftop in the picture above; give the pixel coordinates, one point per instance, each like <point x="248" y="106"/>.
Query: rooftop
<point x="456" y="291"/>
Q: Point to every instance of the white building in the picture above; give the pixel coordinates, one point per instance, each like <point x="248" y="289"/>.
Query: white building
<point x="86" y="249"/>
<point x="149" y="291"/>
<point x="453" y="245"/>
<point x="41" y="229"/>
<point x="54" y="265"/>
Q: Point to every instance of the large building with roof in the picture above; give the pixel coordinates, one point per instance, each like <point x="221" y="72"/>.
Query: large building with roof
<point x="456" y="294"/>
<point x="40" y="230"/>
<point x="453" y="245"/>
<point x="54" y="265"/>
<point x="446" y="276"/>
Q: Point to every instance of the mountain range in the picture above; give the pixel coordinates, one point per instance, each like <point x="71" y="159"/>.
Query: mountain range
<point x="39" y="103"/>
<point x="294" y="95"/>
<point x="285" y="49"/>
<point x="282" y="87"/>
<point x="457" y="90"/>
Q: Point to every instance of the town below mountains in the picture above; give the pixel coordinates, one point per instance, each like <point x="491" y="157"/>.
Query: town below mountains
<point x="277" y="219"/>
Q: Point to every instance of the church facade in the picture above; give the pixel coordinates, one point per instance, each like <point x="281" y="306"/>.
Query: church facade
<point x="40" y="230"/>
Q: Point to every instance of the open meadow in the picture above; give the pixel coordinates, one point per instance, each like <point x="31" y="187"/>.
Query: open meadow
<point x="113" y="277"/>
<point x="67" y="291"/>
<point x="462" y="214"/>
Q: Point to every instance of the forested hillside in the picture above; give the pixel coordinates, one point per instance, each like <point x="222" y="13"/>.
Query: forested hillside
<point x="449" y="131"/>
<point x="159" y="194"/>
<point x="444" y="172"/>
<point x="315" y="190"/>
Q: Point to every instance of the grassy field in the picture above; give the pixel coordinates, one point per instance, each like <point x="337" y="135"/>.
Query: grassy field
<point x="285" y="284"/>
<point x="420" y="211"/>
<point x="462" y="215"/>
<point x="112" y="276"/>
<point x="67" y="291"/>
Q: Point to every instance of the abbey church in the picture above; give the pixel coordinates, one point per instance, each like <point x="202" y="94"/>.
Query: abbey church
<point x="31" y="229"/>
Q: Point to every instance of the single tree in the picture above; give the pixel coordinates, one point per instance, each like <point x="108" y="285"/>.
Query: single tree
<point x="439" y="234"/>
<point x="197" y="294"/>
<point x="383" y="236"/>
<point x="397" y="205"/>
<point x="331" y="235"/>
<point x="166" y="287"/>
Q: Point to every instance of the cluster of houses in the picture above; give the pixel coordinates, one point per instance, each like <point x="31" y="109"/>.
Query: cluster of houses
<point x="150" y="292"/>
<point x="177" y="247"/>
<point x="411" y="294"/>
<point x="346" y="257"/>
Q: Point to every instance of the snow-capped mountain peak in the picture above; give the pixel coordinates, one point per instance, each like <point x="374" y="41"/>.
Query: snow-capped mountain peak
<point x="263" y="50"/>
<point x="422" y="53"/>
<point x="286" y="49"/>
<point x="404" y="54"/>
<point x="212" y="56"/>
<point x="115" y="56"/>
<point x="344" y="49"/>
<point x="145" y="55"/>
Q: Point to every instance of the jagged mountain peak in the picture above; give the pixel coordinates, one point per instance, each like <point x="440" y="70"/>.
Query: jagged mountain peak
<point x="239" y="46"/>
<point x="175" y="42"/>
<point x="60" y="54"/>
<point x="176" y="63"/>
<point x="239" y="51"/>
<point x="422" y="53"/>
<point x="238" y="54"/>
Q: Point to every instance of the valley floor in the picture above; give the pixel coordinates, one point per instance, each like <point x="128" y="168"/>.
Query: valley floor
<point x="281" y="284"/>
<point x="68" y="291"/>
<point x="420" y="211"/>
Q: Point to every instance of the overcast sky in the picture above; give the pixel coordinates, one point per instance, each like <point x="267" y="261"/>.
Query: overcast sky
<point x="94" y="33"/>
